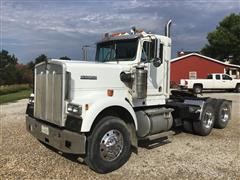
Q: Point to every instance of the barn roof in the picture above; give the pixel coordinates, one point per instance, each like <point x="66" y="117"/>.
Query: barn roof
<point x="205" y="57"/>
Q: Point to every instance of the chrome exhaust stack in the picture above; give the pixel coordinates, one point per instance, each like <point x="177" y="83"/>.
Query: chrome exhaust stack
<point x="167" y="28"/>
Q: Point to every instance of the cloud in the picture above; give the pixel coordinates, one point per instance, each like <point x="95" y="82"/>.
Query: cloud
<point x="54" y="27"/>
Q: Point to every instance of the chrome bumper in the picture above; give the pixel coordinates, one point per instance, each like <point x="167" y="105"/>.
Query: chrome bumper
<point x="61" y="139"/>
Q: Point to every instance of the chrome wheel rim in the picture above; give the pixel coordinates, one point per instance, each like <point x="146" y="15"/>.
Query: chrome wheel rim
<point x="111" y="145"/>
<point x="208" y="119"/>
<point x="224" y="114"/>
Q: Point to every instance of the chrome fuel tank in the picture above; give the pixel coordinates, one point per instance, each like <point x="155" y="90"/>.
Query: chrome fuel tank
<point x="139" y="87"/>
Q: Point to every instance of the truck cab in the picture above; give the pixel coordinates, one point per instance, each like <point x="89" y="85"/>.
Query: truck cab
<point x="142" y="50"/>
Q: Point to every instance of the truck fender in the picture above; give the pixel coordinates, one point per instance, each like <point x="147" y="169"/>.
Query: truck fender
<point x="99" y="106"/>
<point x="198" y="84"/>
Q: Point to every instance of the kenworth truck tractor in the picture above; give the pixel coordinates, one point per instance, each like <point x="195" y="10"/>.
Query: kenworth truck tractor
<point x="100" y="110"/>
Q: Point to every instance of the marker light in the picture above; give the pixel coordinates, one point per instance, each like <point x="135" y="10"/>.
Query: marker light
<point x="110" y="92"/>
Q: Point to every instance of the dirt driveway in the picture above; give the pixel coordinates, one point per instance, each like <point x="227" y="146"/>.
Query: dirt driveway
<point x="186" y="157"/>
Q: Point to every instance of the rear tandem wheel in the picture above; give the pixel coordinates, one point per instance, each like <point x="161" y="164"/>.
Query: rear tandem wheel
<point x="204" y="126"/>
<point x="223" y="114"/>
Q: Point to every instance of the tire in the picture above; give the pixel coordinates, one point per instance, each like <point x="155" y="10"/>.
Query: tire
<point x="197" y="89"/>
<point x="238" y="88"/>
<point x="205" y="125"/>
<point x="187" y="126"/>
<point x="108" y="130"/>
<point x="223" y="115"/>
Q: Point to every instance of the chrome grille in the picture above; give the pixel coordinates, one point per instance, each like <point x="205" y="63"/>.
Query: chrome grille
<point x="49" y="92"/>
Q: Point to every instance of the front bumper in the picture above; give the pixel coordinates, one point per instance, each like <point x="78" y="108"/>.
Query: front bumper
<point x="64" y="140"/>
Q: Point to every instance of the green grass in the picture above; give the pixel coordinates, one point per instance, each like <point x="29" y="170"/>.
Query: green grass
<point x="7" y="89"/>
<point x="12" y="97"/>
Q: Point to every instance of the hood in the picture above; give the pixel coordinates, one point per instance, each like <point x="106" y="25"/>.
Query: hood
<point x="94" y="75"/>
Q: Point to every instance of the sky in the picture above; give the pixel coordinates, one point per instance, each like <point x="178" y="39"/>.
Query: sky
<point x="61" y="27"/>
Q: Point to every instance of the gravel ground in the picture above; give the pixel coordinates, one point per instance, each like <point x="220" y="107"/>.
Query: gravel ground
<point x="186" y="157"/>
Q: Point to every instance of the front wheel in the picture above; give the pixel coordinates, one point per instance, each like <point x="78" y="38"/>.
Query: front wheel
<point x="109" y="145"/>
<point x="204" y="126"/>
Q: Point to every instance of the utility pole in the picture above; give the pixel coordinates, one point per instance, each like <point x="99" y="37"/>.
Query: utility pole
<point x="84" y="49"/>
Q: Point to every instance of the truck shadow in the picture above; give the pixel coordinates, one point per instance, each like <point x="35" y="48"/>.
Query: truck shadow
<point x="77" y="158"/>
<point x="147" y="144"/>
<point x="153" y="144"/>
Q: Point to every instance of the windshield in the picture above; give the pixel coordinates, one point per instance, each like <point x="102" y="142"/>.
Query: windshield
<point x="121" y="50"/>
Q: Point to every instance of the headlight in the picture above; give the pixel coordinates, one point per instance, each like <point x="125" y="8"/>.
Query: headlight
<point x="74" y="108"/>
<point x="31" y="99"/>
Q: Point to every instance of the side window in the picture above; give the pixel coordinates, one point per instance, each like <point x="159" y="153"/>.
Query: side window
<point x="218" y="77"/>
<point x="209" y="76"/>
<point x="161" y="51"/>
<point x="225" y="77"/>
<point x="148" y="52"/>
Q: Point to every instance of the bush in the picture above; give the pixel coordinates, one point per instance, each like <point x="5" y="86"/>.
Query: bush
<point x="7" y="89"/>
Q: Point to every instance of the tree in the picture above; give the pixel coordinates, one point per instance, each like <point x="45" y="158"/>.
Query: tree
<point x="65" y="58"/>
<point x="13" y="59"/>
<point x="6" y="59"/>
<point x="41" y="58"/>
<point x="31" y="65"/>
<point x="8" y="72"/>
<point x="8" y="75"/>
<point x="11" y="72"/>
<point x="224" y="42"/>
<point x="24" y="74"/>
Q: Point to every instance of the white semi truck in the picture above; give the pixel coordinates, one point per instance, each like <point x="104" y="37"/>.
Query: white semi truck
<point x="101" y="109"/>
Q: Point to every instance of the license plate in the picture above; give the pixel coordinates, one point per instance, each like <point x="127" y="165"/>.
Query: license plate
<point x="45" y="130"/>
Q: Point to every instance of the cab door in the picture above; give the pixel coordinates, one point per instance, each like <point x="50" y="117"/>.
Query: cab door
<point x="156" y="77"/>
<point x="217" y="83"/>
<point x="227" y="82"/>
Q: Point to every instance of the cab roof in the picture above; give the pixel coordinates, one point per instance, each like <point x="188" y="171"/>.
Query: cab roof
<point x="122" y="37"/>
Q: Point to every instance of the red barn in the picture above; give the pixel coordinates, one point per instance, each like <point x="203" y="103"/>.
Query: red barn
<point x="196" y="66"/>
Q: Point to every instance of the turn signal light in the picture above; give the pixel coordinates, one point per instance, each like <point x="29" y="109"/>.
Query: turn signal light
<point x="86" y="107"/>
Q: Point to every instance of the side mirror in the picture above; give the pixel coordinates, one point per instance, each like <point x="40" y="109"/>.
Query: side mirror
<point x="157" y="62"/>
